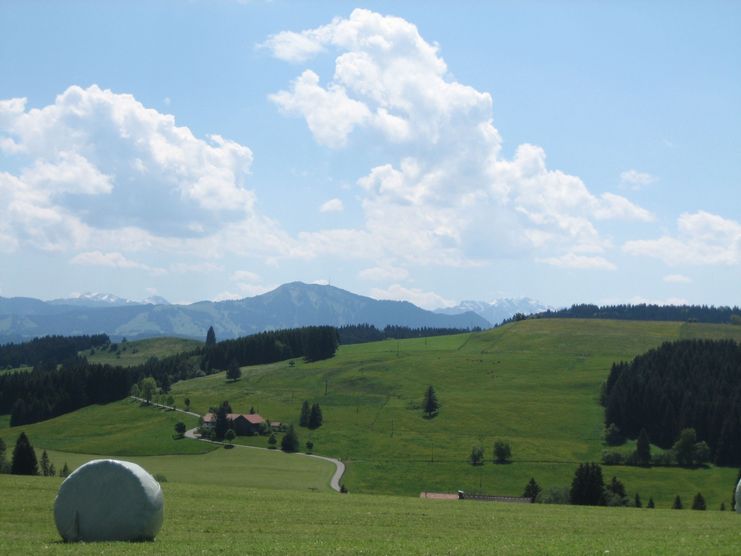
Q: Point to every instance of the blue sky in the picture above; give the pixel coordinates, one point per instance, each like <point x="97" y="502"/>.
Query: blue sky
<point x="435" y="152"/>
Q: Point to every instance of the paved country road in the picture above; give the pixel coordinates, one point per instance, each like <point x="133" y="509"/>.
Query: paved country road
<point x="339" y="466"/>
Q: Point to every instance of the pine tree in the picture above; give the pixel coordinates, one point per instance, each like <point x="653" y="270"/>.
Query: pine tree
<point x="477" y="456"/>
<point x="643" y="448"/>
<point x="24" y="458"/>
<point x="272" y="441"/>
<point x="210" y="337"/>
<point x="290" y="442"/>
<point x="651" y="504"/>
<point x="65" y="470"/>
<point x="45" y="464"/>
<point x="677" y="504"/>
<point x="315" y="417"/>
<point x="3" y="463"/>
<point x="222" y="423"/>
<point x="637" y="501"/>
<point x="303" y="420"/>
<point x="531" y="490"/>
<point x="698" y="503"/>
<point x="587" y="487"/>
<point x="430" y="405"/>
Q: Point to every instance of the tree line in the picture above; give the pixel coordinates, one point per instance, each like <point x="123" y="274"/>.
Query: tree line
<point x="363" y="333"/>
<point x="60" y="384"/>
<point x="311" y="342"/>
<point x="51" y="349"/>
<point x="687" y="384"/>
<point x="687" y="313"/>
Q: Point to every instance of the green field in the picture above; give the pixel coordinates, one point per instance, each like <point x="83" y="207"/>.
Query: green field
<point x="124" y="428"/>
<point x="534" y="383"/>
<point x="211" y="519"/>
<point x="137" y="352"/>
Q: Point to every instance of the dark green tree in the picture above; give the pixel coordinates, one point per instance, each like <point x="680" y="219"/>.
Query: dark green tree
<point x="3" y="462"/>
<point x="615" y="493"/>
<point x="180" y="428"/>
<point x="587" y="487"/>
<point x="643" y="448"/>
<point x="186" y="402"/>
<point x="532" y="489"/>
<point x="651" y="504"/>
<point x="210" y="337"/>
<point x="637" y="501"/>
<point x="45" y="465"/>
<point x="303" y="420"/>
<point x="65" y="470"/>
<point x="684" y="447"/>
<point x="290" y="442"/>
<point x="272" y="441"/>
<point x="698" y="502"/>
<point x="677" y="504"/>
<point x="309" y="446"/>
<point x="233" y="372"/>
<point x="148" y="388"/>
<point x="477" y="456"/>
<point x="430" y="404"/>
<point x="222" y="423"/>
<point x="24" y="457"/>
<point x="315" y="417"/>
<point x="502" y="451"/>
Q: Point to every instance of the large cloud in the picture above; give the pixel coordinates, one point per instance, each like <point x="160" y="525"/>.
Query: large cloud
<point x="446" y="195"/>
<point x="97" y="163"/>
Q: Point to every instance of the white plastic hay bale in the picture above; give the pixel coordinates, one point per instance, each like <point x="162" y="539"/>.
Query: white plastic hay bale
<point x="109" y="500"/>
<point x="738" y="497"/>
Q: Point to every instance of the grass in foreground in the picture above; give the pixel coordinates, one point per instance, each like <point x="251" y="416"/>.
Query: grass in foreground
<point x="209" y="520"/>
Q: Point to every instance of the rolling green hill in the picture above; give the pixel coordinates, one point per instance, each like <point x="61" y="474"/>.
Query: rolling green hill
<point x="534" y="383"/>
<point x="129" y="354"/>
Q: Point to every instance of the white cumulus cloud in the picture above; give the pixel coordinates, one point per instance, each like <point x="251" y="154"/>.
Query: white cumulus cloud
<point x="450" y="194"/>
<point x="702" y="238"/>
<point x="332" y="205"/>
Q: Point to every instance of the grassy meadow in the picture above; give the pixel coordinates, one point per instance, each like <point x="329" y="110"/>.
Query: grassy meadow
<point x="212" y="519"/>
<point x="129" y="354"/>
<point x="534" y="383"/>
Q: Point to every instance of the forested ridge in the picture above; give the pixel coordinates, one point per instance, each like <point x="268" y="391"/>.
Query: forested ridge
<point x="688" y="313"/>
<point x="683" y="384"/>
<point x="60" y="383"/>
<point x="363" y="333"/>
<point x="49" y="348"/>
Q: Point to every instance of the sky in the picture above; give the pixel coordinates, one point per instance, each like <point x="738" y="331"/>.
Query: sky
<point x="566" y="151"/>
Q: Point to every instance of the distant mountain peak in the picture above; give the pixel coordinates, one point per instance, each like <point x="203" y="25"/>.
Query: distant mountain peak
<point x="498" y="310"/>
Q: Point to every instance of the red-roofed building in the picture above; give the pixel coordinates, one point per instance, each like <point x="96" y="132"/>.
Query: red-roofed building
<point x="243" y="424"/>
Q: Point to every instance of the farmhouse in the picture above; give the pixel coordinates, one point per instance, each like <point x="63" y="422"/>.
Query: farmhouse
<point x="243" y="424"/>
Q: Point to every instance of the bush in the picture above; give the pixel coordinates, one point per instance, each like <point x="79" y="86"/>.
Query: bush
<point x="612" y="458"/>
<point x="502" y="451"/>
<point x="554" y="495"/>
<point x="613" y="436"/>
<point x="477" y="456"/>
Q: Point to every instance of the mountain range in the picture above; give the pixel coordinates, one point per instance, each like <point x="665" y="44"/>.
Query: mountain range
<point x="496" y="311"/>
<point x="290" y="305"/>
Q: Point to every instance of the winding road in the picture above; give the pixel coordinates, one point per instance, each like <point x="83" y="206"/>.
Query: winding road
<point x="334" y="482"/>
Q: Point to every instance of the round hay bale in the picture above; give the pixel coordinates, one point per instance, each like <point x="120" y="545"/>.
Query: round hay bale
<point x="738" y="497"/>
<point x="109" y="500"/>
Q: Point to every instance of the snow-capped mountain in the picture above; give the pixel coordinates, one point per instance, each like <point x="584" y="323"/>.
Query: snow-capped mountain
<point x="94" y="299"/>
<point x="497" y="310"/>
